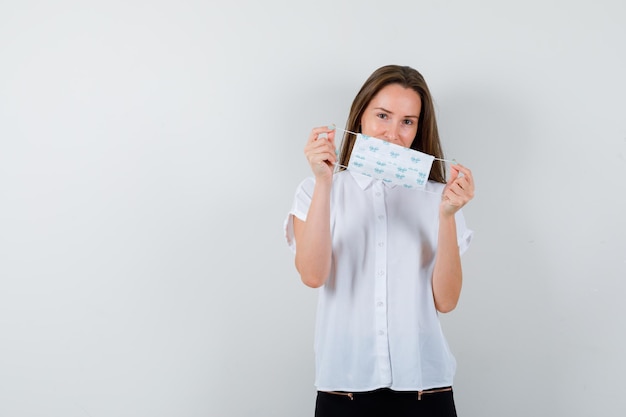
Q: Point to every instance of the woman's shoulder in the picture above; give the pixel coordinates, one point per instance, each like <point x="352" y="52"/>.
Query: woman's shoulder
<point x="306" y="184"/>
<point x="434" y="186"/>
<point x="309" y="182"/>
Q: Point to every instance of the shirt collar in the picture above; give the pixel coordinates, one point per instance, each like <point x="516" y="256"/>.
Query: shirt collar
<point x="364" y="181"/>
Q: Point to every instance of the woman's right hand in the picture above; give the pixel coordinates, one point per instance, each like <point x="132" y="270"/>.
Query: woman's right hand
<point x="320" y="152"/>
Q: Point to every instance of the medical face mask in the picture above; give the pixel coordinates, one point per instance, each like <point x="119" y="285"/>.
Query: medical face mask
<point x="391" y="163"/>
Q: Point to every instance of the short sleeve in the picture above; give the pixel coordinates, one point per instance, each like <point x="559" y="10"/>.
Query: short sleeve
<point x="464" y="235"/>
<point x="299" y="208"/>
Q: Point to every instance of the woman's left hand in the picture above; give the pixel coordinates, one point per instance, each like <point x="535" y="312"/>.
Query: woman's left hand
<point x="459" y="190"/>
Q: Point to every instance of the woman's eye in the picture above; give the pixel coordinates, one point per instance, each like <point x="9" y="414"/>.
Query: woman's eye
<point x="408" y="121"/>
<point x="381" y="115"/>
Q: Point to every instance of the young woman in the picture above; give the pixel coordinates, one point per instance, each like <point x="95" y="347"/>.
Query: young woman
<point x="387" y="259"/>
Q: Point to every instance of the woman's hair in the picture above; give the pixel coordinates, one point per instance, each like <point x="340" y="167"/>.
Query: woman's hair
<point x="427" y="137"/>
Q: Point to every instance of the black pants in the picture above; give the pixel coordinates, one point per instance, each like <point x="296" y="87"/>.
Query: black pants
<point x="386" y="403"/>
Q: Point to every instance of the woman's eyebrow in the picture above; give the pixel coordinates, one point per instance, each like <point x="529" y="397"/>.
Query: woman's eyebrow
<point x="390" y="112"/>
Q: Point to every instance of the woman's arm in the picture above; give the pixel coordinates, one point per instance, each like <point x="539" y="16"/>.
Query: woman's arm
<point x="313" y="240"/>
<point x="447" y="274"/>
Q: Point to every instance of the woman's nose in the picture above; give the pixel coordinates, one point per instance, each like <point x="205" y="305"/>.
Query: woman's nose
<point x="393" y="133"/>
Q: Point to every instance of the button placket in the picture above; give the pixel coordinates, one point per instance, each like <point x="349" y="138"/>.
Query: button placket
<point x="380" y="285"/>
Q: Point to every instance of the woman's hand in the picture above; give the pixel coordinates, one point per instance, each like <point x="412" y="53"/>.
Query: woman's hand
<point x="320" y="152"/>
<point x="459" y="190"/>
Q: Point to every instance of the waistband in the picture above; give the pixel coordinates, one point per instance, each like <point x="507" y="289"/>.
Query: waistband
<point x="419" y="394"/>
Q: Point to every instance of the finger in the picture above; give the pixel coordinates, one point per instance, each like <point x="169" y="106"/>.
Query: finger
<point x="462" y="187"/>
<point x="320" y="146"/>
<point x="317" y="143"/>
<point x="460" y="190"/>
<point x="462" y="169"/>
<point x="466" y="182"/>
<point x="331" y="137"/>
<point x="317" y="162"/>
<point x="452" y="204"/>
<point x="325" y="153"/>
<point x="452" y="195"/>
<point x="463" y="175"/>
<point x="321" y="159"/>
<point x="454" y="174"/>
<point x="317" y="131"/>
<point x="463" y="182"/>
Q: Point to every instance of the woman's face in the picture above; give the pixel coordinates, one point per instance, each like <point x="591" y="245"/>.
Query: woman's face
<point x="392" y="115"/>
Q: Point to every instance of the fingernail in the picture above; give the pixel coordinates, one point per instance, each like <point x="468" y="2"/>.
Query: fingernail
<point x="454" y="162"/>
<point x="336" y="152"/>
<point x="331" y="127"/>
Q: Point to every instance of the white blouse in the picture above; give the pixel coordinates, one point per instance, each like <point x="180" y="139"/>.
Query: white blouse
<point x="377" y="325"/>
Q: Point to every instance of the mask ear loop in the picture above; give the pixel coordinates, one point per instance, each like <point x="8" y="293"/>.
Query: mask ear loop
<point x="337" y="164"/>
<point x="450" y="161"/>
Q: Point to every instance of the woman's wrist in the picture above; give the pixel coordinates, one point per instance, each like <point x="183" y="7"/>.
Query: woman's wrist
<point x="446" y="213"/>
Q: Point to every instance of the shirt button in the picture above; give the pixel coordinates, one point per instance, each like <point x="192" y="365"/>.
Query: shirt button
<point x="381" y="273"/>
<point x="380" y="304"/>
<point x="381" y="243"/>
<point x="381" y="217"/>
<point x="380" y="333"/>
<point x="378" y="194"/>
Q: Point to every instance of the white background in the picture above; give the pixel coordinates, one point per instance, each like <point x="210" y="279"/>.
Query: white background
<point x="149" y="152"/>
